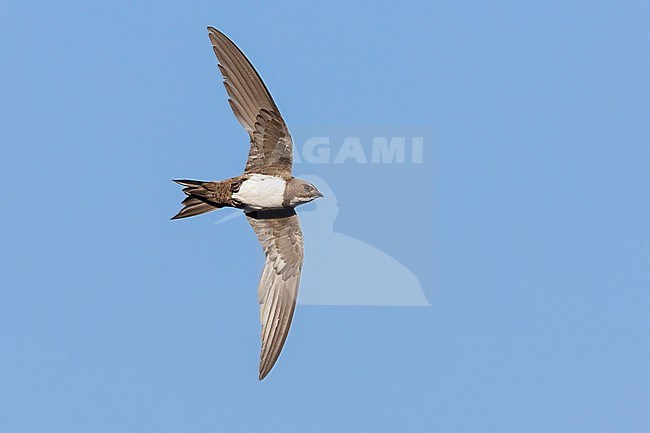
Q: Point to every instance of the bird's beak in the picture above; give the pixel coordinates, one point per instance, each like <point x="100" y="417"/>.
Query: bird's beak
<point x="320" y="194"/>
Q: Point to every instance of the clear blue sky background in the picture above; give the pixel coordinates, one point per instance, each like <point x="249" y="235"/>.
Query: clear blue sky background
<point x="527" y="223"/>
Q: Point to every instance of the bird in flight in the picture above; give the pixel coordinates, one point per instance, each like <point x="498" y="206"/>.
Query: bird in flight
<point x="267" y="192"/>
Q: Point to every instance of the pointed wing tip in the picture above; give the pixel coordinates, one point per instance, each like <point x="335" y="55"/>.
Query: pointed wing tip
<point x="265" y="369"/>
<point x="213" y="33"/>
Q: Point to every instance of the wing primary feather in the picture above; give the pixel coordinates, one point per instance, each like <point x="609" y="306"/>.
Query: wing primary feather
<point x="238" y="81"/>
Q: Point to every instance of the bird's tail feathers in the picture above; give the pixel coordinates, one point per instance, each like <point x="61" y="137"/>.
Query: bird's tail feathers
<point x="197" y="201"/>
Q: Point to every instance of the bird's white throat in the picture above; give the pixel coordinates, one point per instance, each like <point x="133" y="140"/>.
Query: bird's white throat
<point x="261" y="191"/>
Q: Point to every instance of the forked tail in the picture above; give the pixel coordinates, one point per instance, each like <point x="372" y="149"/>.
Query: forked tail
<point x="197" y="201"/>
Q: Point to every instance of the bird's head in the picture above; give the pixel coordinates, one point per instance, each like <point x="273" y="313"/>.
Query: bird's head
<point x="299" y="192"/>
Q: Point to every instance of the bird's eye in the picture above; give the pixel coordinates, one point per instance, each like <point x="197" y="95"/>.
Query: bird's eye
<point x="308" y="188"/>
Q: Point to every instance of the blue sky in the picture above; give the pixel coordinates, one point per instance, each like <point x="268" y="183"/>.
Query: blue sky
<point x="526" y="223"/>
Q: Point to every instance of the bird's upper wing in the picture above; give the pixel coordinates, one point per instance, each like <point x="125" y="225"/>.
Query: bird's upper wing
<point x="250" y="100"/>
<point x="281" y="237"/>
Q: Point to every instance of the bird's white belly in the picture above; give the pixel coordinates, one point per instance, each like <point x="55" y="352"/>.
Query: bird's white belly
<point x="261" y="191"/>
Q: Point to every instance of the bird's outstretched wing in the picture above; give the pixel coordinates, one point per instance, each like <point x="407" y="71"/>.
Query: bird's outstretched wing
<point x="250" y="100"/>
<point x="281" y="237"/>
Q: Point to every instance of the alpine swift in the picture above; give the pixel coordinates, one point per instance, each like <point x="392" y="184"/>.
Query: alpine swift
<point x="267" y="192"/>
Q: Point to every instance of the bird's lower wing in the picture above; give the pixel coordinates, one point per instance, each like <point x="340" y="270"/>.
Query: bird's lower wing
<point x="281" y="238"/>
